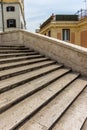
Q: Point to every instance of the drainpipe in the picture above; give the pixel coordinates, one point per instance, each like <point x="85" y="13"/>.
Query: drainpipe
<point x="2" y="15"/>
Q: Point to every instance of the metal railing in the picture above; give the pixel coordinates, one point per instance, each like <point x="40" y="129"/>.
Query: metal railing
<point x="81" y="13"/>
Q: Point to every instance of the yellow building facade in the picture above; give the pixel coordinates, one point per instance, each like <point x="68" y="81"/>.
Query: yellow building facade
<point x="69" y="28"/>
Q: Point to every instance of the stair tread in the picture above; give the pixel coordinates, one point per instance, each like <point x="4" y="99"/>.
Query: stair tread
<point x="22" y="77"/>
<point x="75" y="116"/>
<point x="16" y="114"/>
<point x="51" y="112"/>
<point x="14" y="70"/>
<point x="14" y="94"/>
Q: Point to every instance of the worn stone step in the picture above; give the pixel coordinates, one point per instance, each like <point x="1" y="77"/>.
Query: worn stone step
<point x="14" y="48"/>
<point x="23" y="110"/>
<point x="9" y="60"/>
<point x="75" y="115"/>
<point x="84" y="126"/>
<point x="21" y="92"/>
<point x="13" y="58"/>
<point x="17" y="54"/>
<point x="46" y="117"/>
<point x="1" y="45"/>
<point x="22" y="63"/>
<point x="24" y="78"/>
<point x="13" y="51"/>
<point x="23" y="69"/>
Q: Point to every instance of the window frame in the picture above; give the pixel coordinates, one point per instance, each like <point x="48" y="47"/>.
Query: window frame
<point x="11" y="25"/>
<point x="10" y="9"/>
<point x="66" y="34"/>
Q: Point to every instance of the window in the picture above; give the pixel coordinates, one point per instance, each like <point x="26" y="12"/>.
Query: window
<point x="66" y="34"/>
<point x="11" y="23"/>
<point x="49" y="33"/>
<point x="10" y="8"/>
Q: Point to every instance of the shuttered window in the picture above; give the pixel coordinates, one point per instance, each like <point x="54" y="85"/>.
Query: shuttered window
<point x="66" y="34"/>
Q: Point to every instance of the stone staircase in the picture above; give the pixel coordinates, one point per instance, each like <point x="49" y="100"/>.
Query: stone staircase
<point x="37" y="93"/>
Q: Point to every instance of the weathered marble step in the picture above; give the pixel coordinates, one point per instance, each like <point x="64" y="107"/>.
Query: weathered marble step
<point x="13" y="48"/>
<point x="24" y="110"/>
<point x="13" y="51"/>
<point x="24" y="78"/>
<point x="22" y="63"/>
<point x="9" y="46"/>
<point x="15" y="59"/>
<point x="75" y="115"/>
<point x="46" y="117"/>
<point x="24" y="69"/>
<point x="84" y="126"/>
<point x="17" y="54"/>
<point x="17" y="94"/>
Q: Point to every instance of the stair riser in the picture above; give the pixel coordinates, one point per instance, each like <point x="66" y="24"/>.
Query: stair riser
<point x="13" y="48"/>
<point x="8" y="52"/>
<point x="26" y="81"/>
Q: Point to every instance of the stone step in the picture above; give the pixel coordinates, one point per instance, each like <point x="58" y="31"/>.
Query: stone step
<point x="17" y="94"/>
<point x="48" y="115"/>
<point x="13" y="48"/>
<point x="17" y="114"/>
<point x="23" y="69"/>
<point x="26" y="77"/>
<point x="13" y="58"/>
<point x="9" y="60"/>
<point x="84" y="126"/>
<point x="13" y="51"/>
<point x="22" y="63"/>
<point x="17" y="54"/>
<point x="75" y="115"/>
<point x="9" y="46"/>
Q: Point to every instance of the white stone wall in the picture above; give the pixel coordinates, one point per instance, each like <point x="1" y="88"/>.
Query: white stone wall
<point x="22" y="20"/>
<point x="0" y="19"/>
<point x="17" y="14"/>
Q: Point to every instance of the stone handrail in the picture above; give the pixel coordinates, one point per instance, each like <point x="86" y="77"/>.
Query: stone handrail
<point x="70" y="55"/>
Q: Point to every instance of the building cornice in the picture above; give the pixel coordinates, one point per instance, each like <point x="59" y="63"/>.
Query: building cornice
<point x="60" y="24"/>
<point x="82" y="22"/>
